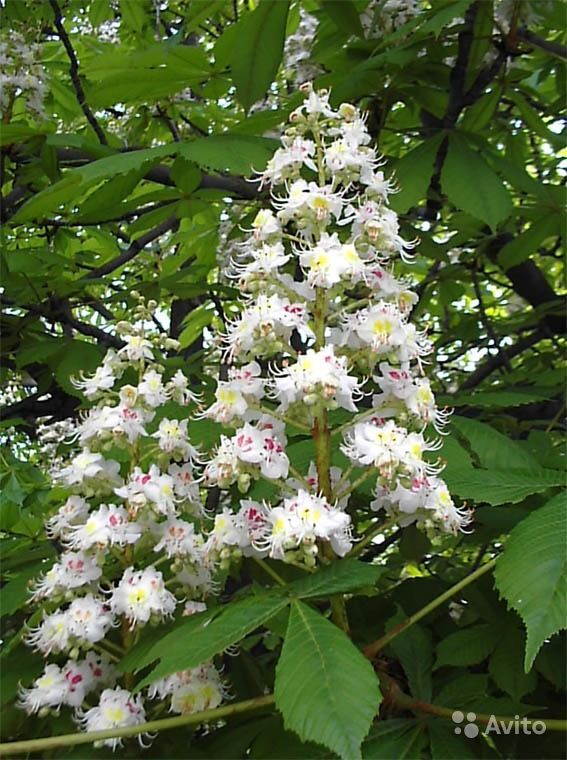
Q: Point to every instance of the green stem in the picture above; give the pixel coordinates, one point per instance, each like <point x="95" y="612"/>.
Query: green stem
<point x="322" y="441"/>
<point x="281" y="417"/>
<point x="354" y="485"/>
<point x="394" y="694"/>
<point x="352" y="422"/>
<point x="371" y="533"/>
<point x="270" y="571"/>
<point x="69" y="740"/>
<point x="372" y="649"/>
<point x="298" y="476"/>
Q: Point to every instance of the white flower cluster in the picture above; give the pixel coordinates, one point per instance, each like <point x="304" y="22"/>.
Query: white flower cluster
<point x="21" y="76"/>
<point x="383" y="17"/>
<point x="326" y="311"/>
<point x="190" y="690"/>
<point x="134" y="493"/>
<point x="297" y="50"/>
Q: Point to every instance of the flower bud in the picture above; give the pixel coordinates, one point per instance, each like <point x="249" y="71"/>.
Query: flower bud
<point x="243" y="482"/>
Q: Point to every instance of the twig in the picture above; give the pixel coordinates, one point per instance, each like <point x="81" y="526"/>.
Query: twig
<point x="74" y="72"/>
<point x="394" y="695"/>
<point x="555" y="48"/>
<point x="69" y="740"/>
<point x="168" y="121"/>
<point x="372" y="650"/>
<point x="495" y="362"/>
<point x="134" y="249"/>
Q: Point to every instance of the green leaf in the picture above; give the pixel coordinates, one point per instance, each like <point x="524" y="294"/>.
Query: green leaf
<point x="532" y="573"/>
<point x="454" y="454"/>
<point x="101" y="204"/>
<point x="501" y="486"/>
<point x="186" y="175"/>
<point x="325" y="689"/>
<point x="527" y="243"/>
<point x="401" y="738"/>
<point x="278" y="744"/>
<point x="468" y="646"/>
<point x="445" y="744"/>
<point x="16" y="593"/>
<point x="238" y="154"/>
<point x="256" y="57"/>
<point x="16" y="132"/>
<point x="21" y="667"/>
<point x="161" y="69"/>
<point x="472" y="186"/>
<point x="479" y="115"/>
<point x="344" y="15"/>
<point x="195" y="323"/>
<point x="413" y="174"/>
<point x="497" y="398"/>
<point x="200" y="638"/>
<point x="440" y="19"/>
<point x="133" y="14"/>
<point x="482" y="40"/>
<point x="533" y="120"/>
<point x="414" y="649"/>
<point x="339" y="578"/>
<point x="506" y="667"/>
<point x="493" y="449"/>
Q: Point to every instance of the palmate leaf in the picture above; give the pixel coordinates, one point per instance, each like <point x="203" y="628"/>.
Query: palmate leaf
<point x="501" y="486"/>
<point x="325" y="689"/>
<point x="445" y="744"/>
<point x="401" y="738"/>
<point x="493" y="449"/>
<point x="532" y="573"/>
<point x="201" y="638"/>
<point x="472" y="185"/>
<point x="468" y="646"/>
<point x="237" y="154"/>
<point x="505" y="665"/>
<point x="257" y="51"/>
<point x="340" y="577"/>
<point x="414" y="649"/>
<point x="413" y="174"/>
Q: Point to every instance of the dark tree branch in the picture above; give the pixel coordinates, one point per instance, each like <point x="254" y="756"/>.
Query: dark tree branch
<point x="60" y="313"/>
<point x="134" y="249"/>
<point x="237" y="186"/>
<point x="58" y="405"/>
<point x="529" y="282"/>
<point x="555" y="48"/>
<point x="170" y="124"/>
<point x="496" y="362"/>
<point x="74" y="72"/>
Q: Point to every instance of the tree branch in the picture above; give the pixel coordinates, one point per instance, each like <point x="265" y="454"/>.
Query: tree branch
<point x="74" y="72"/>
<point x="134" y="249"/>
<point x="495" y="362"/>
<point x="555" y="48"/>
<point x="55" y="313"/>
<point x="530" y="283"/>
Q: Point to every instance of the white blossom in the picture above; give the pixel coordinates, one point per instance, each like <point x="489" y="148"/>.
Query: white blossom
<point x="117" y="708"/>
<point x="140" y="595"/>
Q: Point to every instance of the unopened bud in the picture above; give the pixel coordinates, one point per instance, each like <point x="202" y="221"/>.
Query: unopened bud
<point x="243" y="482"/>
